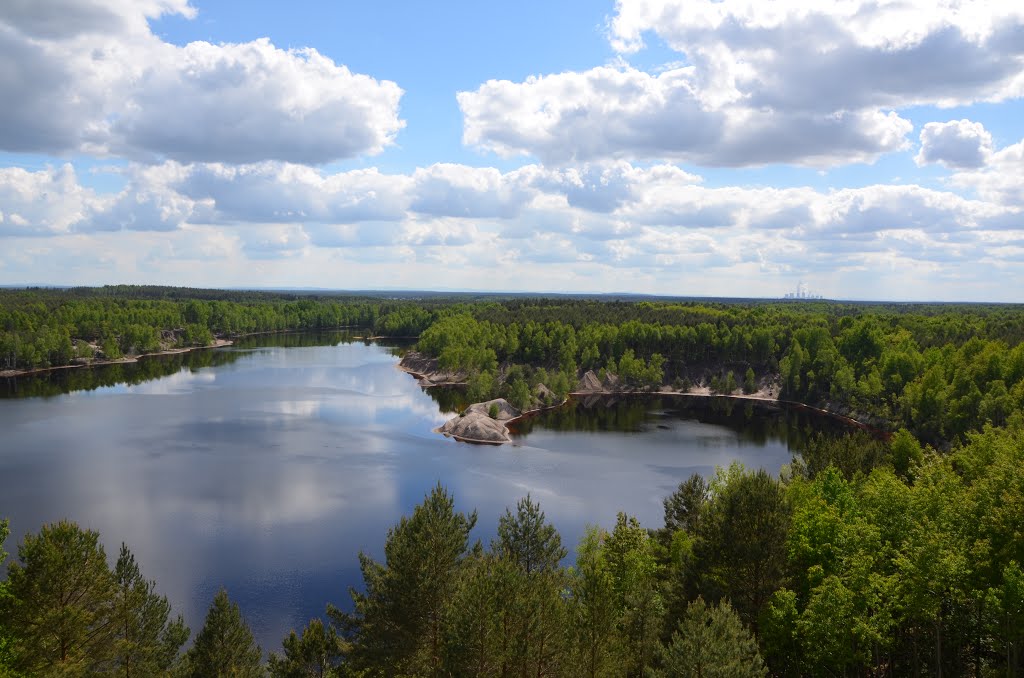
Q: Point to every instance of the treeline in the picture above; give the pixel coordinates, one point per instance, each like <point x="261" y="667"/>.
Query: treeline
<point x="57" y="382"/>
<point x="42" y="328"/>
<point x="863" y="558"/>
<point x="940" y="371"/>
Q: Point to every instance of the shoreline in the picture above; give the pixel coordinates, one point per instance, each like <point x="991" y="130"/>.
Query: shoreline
<point x="765" y="400"/>
<point x="11" y="374"/>
<point x="217" y="343"/>
<point x="425" y="380"/>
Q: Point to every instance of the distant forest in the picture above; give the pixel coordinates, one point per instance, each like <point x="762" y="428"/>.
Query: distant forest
<point x="939" y="370"/>
<point x="893" y="555"/>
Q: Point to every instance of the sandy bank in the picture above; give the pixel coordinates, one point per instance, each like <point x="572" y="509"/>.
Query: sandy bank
<point x="476" y="430"/>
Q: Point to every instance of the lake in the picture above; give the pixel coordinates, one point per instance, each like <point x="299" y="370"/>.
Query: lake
<point x="265" y="467"/>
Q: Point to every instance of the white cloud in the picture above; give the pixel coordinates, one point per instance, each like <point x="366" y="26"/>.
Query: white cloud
<point x="761" y="83"/>
<point x="610" y="112"/>
<point x="1001" y="180"/>
<point x="93" y="78"/>
<point x="44" y="203"/>
<point x="71" y="18"/>
<point x="278" y="192"/>
<point x="960" y="144"/>
<point x="839" y="55"/>
<point x="505" y="228"/>
<point x="460" y="191"/>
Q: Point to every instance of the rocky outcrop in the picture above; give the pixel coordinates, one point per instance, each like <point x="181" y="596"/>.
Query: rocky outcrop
<point x="427" y="370"/>
<point x="476" y="425"/>
<point x="544" y="395"/>
<point x="505" y="411"/>
<point x="590" y="382"/>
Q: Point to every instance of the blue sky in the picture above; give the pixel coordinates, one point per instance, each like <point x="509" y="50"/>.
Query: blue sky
<point x="684" y="147"/>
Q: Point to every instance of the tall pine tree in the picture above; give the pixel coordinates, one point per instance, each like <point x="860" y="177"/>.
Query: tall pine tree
<point x="147" y="641"/>
<point x="225" y="646"/>
<point x="315" y="654"/>
<point x="397" y="626"/>
<point x="61" y="607"/>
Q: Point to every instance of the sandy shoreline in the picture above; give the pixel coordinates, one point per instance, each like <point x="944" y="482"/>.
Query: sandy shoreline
<point x="762" y="397"/>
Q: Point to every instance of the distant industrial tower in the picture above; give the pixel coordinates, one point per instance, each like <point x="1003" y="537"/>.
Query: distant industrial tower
<point x="802" y="292"/>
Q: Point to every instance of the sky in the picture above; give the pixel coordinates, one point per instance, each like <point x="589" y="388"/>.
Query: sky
<point x="871" y="149"/>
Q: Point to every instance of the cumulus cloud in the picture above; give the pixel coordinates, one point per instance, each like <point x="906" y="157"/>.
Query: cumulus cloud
<point x="460" y="191"/>
<point x="44" y="203"/>
<point x="760" y="83"/>
<point x="839" y="55"/>
<point x="93" y="78"/>
<point x="1000" y="180"/>
<point x="959" y="144"/>
<point x="659" y="221"/>
<point x="622" y="112"/>
<point x="666" y="231"/>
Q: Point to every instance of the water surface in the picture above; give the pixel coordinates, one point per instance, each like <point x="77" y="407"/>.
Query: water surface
<point x="265" y="467"/>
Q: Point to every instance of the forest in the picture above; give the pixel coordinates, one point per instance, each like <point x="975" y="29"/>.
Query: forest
<point x="896" y="554"/>
<point x="938" y="370"/>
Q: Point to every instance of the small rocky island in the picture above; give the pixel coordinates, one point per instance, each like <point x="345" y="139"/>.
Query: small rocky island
<point x="482" y="423"/>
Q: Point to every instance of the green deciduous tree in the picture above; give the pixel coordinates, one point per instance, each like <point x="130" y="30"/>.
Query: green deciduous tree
<point x="630" y="554"/>
<point x="749" y="381"/>
<point x="6" y="639"/>
<point x="598" y="647"/>
<point x="906" y="452"/>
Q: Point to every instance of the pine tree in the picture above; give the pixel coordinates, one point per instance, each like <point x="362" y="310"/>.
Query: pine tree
<point x="62" y="596"/>
<point x="741" y="546"/>
<point x="6" y="638"/>
<point x="683" y="507"/>
<point x="147" y="641"/>
<point x="480" y="629"/>
<point x="314" y="654"/>
<point x="535" y="612"/>
<point x="527" y="539"/>
<point x="711" y="642"/>
<point x="225" y="646"/>
<point x="398" y="624"/>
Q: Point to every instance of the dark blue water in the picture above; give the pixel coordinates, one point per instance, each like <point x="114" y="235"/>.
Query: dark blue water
<point x="267" y="468"/>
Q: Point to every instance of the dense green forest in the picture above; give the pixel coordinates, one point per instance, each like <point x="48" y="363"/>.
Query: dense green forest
<point x="895" y="555"/>
<point x="940" y="370"/>
<point x="864" y="558"/>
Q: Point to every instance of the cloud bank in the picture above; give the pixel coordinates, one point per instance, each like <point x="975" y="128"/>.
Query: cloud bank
<point x="660" y="219"/>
